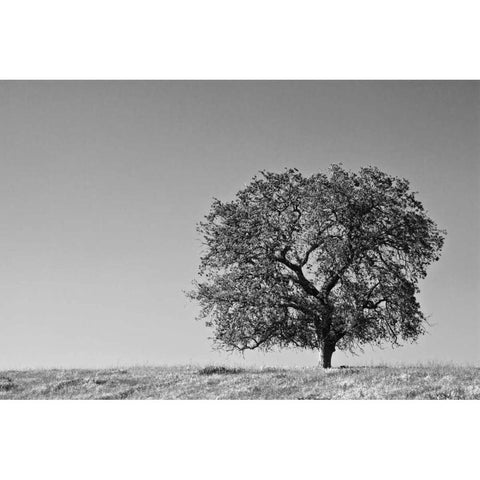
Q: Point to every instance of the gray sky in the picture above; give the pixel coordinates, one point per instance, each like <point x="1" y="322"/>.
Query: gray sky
<point x="102" y="184"/>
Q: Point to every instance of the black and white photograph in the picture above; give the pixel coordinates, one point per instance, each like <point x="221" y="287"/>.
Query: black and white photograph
<point x="253" y="227"/>
<point x="322" y="234"/>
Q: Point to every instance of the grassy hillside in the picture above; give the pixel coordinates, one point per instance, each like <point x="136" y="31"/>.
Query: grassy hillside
<point x="214" y="382"/>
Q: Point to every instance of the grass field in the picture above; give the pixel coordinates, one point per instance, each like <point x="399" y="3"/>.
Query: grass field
<point x="217" y="382"/>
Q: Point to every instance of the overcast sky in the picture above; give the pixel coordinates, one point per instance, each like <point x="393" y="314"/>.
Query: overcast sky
<point x="102" y="184"/>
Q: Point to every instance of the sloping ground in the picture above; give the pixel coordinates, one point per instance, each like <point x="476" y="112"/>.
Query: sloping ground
<point x="214" y="382"/>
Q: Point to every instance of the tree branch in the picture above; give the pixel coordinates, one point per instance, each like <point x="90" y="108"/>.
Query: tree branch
<point x="311" y="249"/>
<point x="373" y="306"/>
<point x="302" y="280"/>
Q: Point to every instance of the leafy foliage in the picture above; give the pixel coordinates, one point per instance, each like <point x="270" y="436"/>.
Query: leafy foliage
<point x="330" y="260"/>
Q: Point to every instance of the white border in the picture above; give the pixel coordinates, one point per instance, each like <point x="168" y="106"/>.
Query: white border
<point x="239" y="439"/>
<point x="221" y="39"/>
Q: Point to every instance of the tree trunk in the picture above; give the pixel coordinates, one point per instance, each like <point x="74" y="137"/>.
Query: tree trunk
<point x="326" y="353"/>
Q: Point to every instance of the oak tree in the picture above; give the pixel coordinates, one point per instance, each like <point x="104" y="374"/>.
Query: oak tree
<point x="325" y="262"/>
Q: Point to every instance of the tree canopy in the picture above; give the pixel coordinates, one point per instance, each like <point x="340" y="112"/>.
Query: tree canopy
<point x="328" y="261"/>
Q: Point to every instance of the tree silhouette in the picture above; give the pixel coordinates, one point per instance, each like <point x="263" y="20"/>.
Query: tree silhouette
<point x="322" y="262"/>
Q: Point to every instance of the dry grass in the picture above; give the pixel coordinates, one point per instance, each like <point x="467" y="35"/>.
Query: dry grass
<point x="219" y="382"/>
